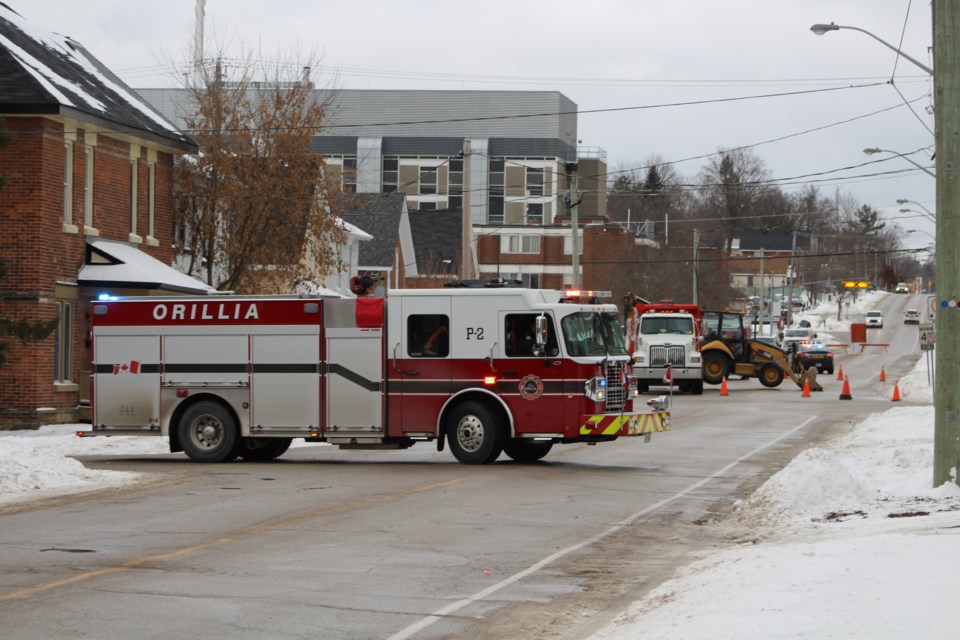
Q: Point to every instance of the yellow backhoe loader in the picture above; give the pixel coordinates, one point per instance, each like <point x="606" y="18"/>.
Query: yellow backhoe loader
<point x="726" y="351"/>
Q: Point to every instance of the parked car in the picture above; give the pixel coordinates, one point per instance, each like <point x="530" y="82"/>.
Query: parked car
<point x="911" y="316"/>
<point x="815" y="354"/>
<point x="902" y="288"/>
<point x="874" y="318"/>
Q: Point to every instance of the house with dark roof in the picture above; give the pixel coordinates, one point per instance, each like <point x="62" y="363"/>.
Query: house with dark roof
<point x="87" y="210"/>
<point x="437" y="244"/>
<point x="763" y="262"/>
<point x="388" y="257"/>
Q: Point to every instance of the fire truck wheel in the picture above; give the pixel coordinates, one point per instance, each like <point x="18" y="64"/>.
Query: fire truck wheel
<point x="262" y="449"/>
<point x="208" y="432"/>
<point x="715" y="367"/>
<point x="474" y="434"/>
<point x="524" y="451"/>
<point x="770" y="375"/>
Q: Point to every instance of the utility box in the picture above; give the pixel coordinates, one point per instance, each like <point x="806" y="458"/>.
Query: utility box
<point x="858" y="332"/>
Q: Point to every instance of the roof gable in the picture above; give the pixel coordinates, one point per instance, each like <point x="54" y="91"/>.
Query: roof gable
<point x="382" y="216"/>
<point x="45" y="73"/>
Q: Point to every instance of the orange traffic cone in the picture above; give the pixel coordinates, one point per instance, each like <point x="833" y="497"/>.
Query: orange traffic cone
<point x="896" y="391"/>
<point x="845" y="393"/>
<point x="806" y="388"/>
<point x="723" y="387"/>
<point x="840" y="373"/>
<point x="883" y="375"/>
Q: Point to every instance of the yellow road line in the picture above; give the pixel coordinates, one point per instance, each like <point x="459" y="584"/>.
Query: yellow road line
<point x="241" y="535"/>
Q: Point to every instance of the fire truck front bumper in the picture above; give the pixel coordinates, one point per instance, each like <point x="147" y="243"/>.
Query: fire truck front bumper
<point x="612" y="425"/>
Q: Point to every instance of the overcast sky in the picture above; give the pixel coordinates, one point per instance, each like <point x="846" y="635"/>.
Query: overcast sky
<point x="635" y="65"/>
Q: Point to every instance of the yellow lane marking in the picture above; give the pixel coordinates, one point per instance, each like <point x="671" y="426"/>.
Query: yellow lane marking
<point x="241" y="535"/>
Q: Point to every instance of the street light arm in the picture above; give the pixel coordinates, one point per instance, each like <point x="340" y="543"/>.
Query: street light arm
<point x="872" y="150"/>
<point x="821" y="29"/>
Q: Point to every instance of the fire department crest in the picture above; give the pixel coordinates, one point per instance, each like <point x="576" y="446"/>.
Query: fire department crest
<point x="531" y="387"/>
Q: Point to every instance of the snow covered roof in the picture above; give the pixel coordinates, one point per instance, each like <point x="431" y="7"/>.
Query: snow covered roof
<point x="110" y="263"/>
<point x="45" y="73"/>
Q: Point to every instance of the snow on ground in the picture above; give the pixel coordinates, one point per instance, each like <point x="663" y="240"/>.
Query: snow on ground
<point x="849" y="540"/>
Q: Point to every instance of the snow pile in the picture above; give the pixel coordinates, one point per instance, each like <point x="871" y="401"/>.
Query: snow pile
<point x="848" y="540"/>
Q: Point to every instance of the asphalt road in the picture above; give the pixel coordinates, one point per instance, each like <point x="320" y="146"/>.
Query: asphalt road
<point x="410" y="544"/>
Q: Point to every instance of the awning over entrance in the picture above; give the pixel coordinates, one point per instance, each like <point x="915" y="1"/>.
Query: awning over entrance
<point x="118" y="265"/>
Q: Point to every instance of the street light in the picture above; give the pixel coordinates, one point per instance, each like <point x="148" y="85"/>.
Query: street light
<point x="930" y="214"/>
<point x="923" y="232"/>
<point x="872" y="150"/>
<point x="821" y="29"/>
<point x="927" y="216"/>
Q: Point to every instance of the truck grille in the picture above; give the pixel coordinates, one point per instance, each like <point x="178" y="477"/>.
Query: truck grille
<point x="616" y="392"/>
<point x="662" y="356"/>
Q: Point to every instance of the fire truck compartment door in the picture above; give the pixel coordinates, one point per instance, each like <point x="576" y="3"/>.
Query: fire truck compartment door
<point x="127" y="381"/>
<point x="285" y="383"/>
<point x="354" y="377"/>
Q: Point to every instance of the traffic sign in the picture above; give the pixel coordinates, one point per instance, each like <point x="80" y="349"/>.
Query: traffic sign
<point x="928" y="337"/>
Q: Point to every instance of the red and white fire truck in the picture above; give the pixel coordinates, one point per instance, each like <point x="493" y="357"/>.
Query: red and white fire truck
<point x="487" y="370"/>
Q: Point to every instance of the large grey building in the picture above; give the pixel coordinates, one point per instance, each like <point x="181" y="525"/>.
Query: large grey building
<point x="504" y="156"/>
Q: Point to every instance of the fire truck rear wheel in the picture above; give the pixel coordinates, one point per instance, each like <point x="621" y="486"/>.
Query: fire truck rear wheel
<point x="208" y="433"/>
<point x="524" y="451"/>
<point x="715" y="367"/>
<point x="474" y="435"/>
<point x="262" y="449"/>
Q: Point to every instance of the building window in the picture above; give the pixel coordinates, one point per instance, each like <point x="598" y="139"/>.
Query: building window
<point x="68" y="183"/>
<point x="568" y="245"/>
<point x="515" y="243"/>
<point x="88" y="157"/>
<point x="495" y="199"/>
<point x="63" y="355"/>
<point x="151" y="198"/>
<point x="348" y="176"/>
<point x="534" y="182"/>
<point x="455" y="184"/>
<point x="134" y="186"/>
<point x="428" y="336"/>
<point x="428" y="181"/>
<point x="391" y="174"/>
<point x="528" y="280"/>
<point x="534" y="213"/>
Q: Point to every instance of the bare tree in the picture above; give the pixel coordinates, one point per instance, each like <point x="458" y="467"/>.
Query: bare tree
<point x="253" y="201"/>
<point x="734" y="185"/>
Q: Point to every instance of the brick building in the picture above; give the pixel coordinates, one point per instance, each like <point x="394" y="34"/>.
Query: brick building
<point x="87" y="210"/>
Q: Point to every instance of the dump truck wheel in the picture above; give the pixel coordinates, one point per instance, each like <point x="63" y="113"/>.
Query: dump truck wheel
<point x="715" y="367"/>
<point x="770" y="375"/>
<point x="474" y="435"/>
<point x="696" y="387"/>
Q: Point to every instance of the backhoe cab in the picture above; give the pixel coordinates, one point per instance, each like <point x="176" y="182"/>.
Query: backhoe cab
<point x="727" y="351"/>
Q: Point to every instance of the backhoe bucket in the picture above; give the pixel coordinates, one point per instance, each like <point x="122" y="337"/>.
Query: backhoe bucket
<point x="809" y="375"/>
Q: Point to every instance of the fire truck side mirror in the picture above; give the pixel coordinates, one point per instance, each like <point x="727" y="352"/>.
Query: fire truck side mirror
<point x="542" y="331"/>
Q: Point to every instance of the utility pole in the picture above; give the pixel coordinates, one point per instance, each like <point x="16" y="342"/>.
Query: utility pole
<point x="696" y="267"/>
<point x="946" y="390"/>
<point x="574" y="223"/>
<point x="466" y="229"/>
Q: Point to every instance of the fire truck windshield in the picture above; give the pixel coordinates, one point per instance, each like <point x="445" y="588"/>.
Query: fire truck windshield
<point x="592" y="333"/>
<point x="682" y="325"/>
